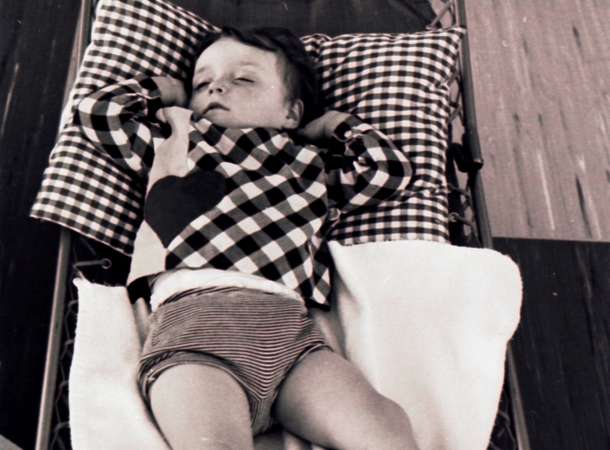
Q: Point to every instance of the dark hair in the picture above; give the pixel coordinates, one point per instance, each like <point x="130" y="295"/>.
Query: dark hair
<point x="299" y="71"/>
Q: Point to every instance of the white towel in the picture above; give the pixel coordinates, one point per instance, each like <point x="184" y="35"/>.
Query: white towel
<point x="427" y="323"/>
<point x="106" y="411"/>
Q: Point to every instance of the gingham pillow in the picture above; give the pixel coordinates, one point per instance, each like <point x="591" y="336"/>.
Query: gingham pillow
<point x="398" y="83"/>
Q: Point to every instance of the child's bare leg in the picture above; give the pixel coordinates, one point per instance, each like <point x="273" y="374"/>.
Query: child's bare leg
<point x="201" y="407"/>
<point x="326" y="400"/>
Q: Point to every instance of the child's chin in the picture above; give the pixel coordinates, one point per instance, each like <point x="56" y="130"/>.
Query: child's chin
<point x="231" y="123"/>
<point x="222" y="121"/>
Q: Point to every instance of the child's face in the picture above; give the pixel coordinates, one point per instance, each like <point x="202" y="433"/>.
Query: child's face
<point x="240" y="86"/>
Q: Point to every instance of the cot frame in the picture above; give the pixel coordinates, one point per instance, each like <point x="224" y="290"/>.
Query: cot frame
<point x="469" y="223"/>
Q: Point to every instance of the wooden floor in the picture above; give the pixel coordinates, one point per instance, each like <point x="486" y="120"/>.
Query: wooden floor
<point x="562" y="345"/>
<point x="542" y="85"/>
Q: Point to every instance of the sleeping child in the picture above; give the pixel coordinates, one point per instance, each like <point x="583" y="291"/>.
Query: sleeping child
<point x="231" y="248"/>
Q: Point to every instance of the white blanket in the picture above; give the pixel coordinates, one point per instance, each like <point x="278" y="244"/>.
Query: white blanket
<point x="426" y="322"/>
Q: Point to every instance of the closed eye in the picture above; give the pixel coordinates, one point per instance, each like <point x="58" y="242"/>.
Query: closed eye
<point x="201" y="85"/>
<point x="244" y="80"/>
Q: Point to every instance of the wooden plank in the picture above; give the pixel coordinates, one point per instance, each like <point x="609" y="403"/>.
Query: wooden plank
<point x="562" y="345"/>
<point x="35" y="43"/>
<point x="542" y="83"/>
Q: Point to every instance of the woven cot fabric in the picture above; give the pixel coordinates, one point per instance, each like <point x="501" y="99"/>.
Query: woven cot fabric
<point x="398" y="83"/>
<point x="253" y="201"/>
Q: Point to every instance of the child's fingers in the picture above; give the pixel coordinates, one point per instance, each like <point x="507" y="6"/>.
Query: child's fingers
<point x="313" y="130"/>
<point x="323" y="126"/>
<point x="172" y="91"/>
<point x="160" y="115"/>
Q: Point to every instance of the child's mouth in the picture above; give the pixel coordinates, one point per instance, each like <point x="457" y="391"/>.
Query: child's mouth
<point x="214" y="106"/>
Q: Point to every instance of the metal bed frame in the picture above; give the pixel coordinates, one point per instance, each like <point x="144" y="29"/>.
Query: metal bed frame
<point x="468" y="223"/>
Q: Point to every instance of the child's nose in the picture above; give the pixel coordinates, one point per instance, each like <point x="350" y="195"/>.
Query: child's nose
<point x="217" y="87"/>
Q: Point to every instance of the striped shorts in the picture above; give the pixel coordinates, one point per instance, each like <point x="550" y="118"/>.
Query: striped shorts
<point x="254" y="336"/>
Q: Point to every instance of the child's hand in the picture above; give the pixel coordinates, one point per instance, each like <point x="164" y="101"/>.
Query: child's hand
<point x="172" y="91"/>
<point x="323" y="126"/>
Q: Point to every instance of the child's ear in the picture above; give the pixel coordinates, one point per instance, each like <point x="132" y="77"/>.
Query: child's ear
<point x="294" y="114"/>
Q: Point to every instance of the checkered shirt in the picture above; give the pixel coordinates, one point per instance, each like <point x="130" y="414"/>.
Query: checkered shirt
<point x="262" y="203"/>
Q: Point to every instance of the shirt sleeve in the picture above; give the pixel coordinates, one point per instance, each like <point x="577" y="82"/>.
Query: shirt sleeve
<point x="120" y="121"/>
<point x="366" y="166"/>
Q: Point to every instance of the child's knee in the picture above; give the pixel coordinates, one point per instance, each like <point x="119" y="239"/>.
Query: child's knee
<point x="213" y="444"/>
<point x="199" y="442"/>
<point x="387" y="428"/>
<point x="392" y="428"/>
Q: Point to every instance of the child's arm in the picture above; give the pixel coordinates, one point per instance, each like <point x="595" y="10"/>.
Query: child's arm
<point x="368" y="166"/>
<point x="120" y="119"/>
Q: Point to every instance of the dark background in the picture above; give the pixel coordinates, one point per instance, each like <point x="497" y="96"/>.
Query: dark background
<point x="33" y="73"/>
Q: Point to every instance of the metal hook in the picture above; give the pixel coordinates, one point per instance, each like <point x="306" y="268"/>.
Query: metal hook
<point x="105" y="263"/>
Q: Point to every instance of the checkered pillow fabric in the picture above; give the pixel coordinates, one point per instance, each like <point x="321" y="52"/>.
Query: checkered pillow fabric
<point x="398" y="83"/>
<point x="83" y="189"/>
